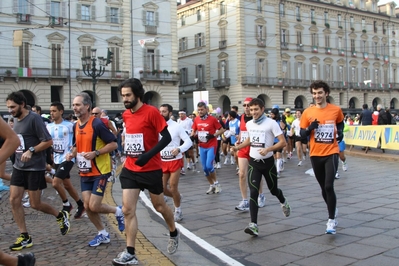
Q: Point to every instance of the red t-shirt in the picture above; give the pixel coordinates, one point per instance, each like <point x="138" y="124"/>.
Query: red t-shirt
<point x="203" y="127"/>
<point x="142" y="134"/>
<point x="244" y="152"/>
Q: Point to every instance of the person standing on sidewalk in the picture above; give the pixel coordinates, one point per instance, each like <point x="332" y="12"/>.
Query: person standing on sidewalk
<point x="93" y="143"/>
<point x="143" y="166"/>
<point x="262" y="131"/>
<point x="61" y="132"/>
<point x="324" y="123"/>
<point x="207" y="128"/>
<point x="29" y="167"/>
<point x="171" y="157"/>
<point x="243" y="159"/>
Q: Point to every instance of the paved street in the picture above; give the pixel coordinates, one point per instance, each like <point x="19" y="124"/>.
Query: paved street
<point x="213" y="233"/>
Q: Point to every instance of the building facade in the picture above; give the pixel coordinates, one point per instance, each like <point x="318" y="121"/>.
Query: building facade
<point x="273" y="49"/>
<point x="44" y="42"/>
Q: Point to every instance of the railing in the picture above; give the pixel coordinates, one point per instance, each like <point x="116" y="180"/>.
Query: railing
<point x="151" y="29"/>
<point x="299" y="47"/>
<point x="23" y="18"/>
<point x="261" y="42"/>
<point x="222" y="44"/>
<point x="220" y="83"/>
<point x="315" y="49"/>
<point x="284" y="45"/>
<point x="56" y="21"/>
<point x="328" y="50"/>
<point x="251" y="80"/>
<point x="159" y="76"/>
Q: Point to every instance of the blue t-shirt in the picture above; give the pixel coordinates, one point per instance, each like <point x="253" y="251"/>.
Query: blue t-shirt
<point x="234" y="127"/>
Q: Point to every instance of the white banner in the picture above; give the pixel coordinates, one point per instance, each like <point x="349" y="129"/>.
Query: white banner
<point x="200" y="96"/>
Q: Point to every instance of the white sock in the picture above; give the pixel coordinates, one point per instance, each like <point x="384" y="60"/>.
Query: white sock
<point x="177" y="209"/>
<point x="52" y="171"/>
<point x="103" y="232"/>
<point x="216" y="182"/>
<point x="118" y="211"/>
<point x="66" y="203"/>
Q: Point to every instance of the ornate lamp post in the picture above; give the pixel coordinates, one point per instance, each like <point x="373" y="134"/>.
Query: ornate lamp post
<point x="90" y="70"/>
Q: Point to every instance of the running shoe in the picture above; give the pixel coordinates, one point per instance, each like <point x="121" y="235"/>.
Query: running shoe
<point x="173" y="243"/>
<point x="188" y="166"/>
<point x="218" y="166"/>
<point x="79" y="212"/>
<point x="281" y="165"/>
<point x="27" y="259"/>
<point x="286" y="208"/>
<point x="21" y="243"/>
<point x="252" y="229"/>
<point x="63" y="222"/>
<point x="99" y="239"/>
<point x="278" y="174"/>
<point x="261" y="200"/>
<point x="226" y="161"/>
<point x="121" y="220"/>
<point x="243" y="206"/>
<point x="182" y="172"/>
<point x="331" y="227"/>
<point x="337" y="176"/>
<point x="26" y="197"/>
<point x="232" y="162"/>
<point x="26" y="204"/>
<point x="299" y="163"/>
<point x="178" y="216"/>
<point x="211" y="189"/>
<point x="67" y="208"/>
<point x="218" y="188"/>
<point x="125" y="258"/>
<point x="344" y="166"/>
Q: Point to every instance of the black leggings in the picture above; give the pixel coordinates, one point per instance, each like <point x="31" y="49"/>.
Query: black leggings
<point x="325" y="168"/>
<point x="217" y="155"/>
<point x="256" y="169"/>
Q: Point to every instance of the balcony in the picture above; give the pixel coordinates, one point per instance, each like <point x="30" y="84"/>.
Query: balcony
<point x="354" y="53"/>
<point x="161" y="77"/>
<point x="150" y="29"/>
<point x="261" y="42"/>
<point x="377" y="56"/>
<point x="284" y="45"/>
<point x="223" y="44"/>
<point x="200" y="85"/>
<point x="315" y="49"/>
<point x="341" y="52"/>
<point x="299" y="47"/>
<point x="328" y="50"/>
<point x="56" y="21"/>
<point x="366" y="56"/>
<point x="268" y="81"/>
<point x="221" y="83"/>
<point x="23" y="18"/>
<point x="386" y="59"/>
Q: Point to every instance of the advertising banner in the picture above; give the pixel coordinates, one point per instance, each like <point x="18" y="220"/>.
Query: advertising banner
<point x="366" y="136"/>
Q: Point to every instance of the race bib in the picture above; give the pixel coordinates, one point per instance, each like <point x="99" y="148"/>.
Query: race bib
<point x="258" y="138"/>
<point x="134" y="145"/>
<point x="202" y="136"/>
<point x="59" y="146"/>
<point x="324" y="134"/>
<point x="21" y="146"/>
<point x="166" y="153"/>
<point x="84" y="165"/>
<point x="244" y="136"/>
<point x="233" y="131"/>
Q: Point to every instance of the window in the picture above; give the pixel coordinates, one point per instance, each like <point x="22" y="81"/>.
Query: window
<point x="55" y="9"/>
<point x="114" y="15"/>
<point x="328" y="74"/>
<point x="86" y="51"/>
<point x="299" y="70"/>
<point x="341" y="73"/>
<point x="285" y="67"/>
<point x="183" y="44"/>
<point x="314" y="71"/>
<point x="151" y="63"/>
<point x="363" y="24"/>
<point x="339" y="44"/>
<point x="298" y="13"/>
<point x="353" y="74"/>
<point x="222" y="8"/>
<point x="85" y="12"/>
<point x="150" y="18"/>
<point x="375" y="48"/>
<point x="199" y="40"/>
<point x="222" y="69"/>
<point x="114" y="94"/>
<point x="259" y="6"/>
<point x="365" y="74"/>
<point x="282" y="10"/>
<point x="364" y="46"/>
<point x="115" y="60"/>
<point x="262" y="73"/>
<point x="353" y="46"/>
<point x="327" y="41"/>
<point x="383" y="28"/>
<point x="375" y="26"/>
<point x="223" y="34"/>
<point x="326" y="21"/>
<point x="352" y="22"/>
<point x="260" y="35"/>
<point x="339" y="21"/>
<point x="315" y="39"/>
<point x="284" y="37"/>
<point x="24" y="55"/>
<point x="199" y="15"/>
<point x="184" y="76"/>
<point x="56" y="91"/>
<point x="299" y="37"/>
<point x="312" y="16"/>
<point x="199" y="74"/>
<point x="377" y="76"/>
<point x="56" y="59"/>
<point x="362" y="4"/>
<point x="23" y="7"/>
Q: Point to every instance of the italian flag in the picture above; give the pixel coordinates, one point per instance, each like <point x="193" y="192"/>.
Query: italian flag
<point x="24" y="72"/>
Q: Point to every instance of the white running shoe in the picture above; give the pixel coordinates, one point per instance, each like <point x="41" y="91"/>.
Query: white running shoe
<point x="232" y="162"/>
<point x="331" y="226"/>
<point x="243" y="206"/>
<point x="26" y="197"/>
<point x="26" y="204"/>
<point x="188" y="166"/>
<point x="261" y="200"/>
<point x="226" y="161"/>
<point x="218" y="166"/>
<point x="337" y="176"/>
<point x="218" y="188"/>
<point x="344" y="166"/>
<point x="211" y="190"/>
<point x="178" y="216"/>
<point x="281" y="165"/>
<point x="300" y="163"/>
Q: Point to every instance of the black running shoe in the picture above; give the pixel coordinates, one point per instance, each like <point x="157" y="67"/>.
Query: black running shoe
<point x="67" y="208"/>
<point x="63" y="222"/>
<point x="79" y="212"/>
<point x="21" y="243"/>
<point x="27" y="259"/>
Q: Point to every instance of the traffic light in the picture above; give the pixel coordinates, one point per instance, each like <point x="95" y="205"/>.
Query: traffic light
<point x="110" y="57"/>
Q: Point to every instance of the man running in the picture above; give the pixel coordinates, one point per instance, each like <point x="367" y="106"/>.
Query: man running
<point x="207" y="128"/>
<point x="262" y="131"/>
<point x="143" y="166"/>
<point x="171" y="157"/>
<point x="301" y="144"/>
<point x="93" y="143"/>
<point x="29" y="167"/>
<point x="61" y="132"/>
<point x="322" y="123"/>
<point x="187" y="124"/>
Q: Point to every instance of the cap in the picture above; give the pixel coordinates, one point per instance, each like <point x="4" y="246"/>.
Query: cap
<point x="248" y="99"/>
<point x="287" y="110"/>
<point x="276" y="106"/>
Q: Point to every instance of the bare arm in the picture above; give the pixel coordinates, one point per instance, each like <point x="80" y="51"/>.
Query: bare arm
<point x="11" y="142"/>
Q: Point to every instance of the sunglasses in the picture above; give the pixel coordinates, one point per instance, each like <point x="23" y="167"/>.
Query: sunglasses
<point x="94" y="113"/>
<point x="245" y="105"/>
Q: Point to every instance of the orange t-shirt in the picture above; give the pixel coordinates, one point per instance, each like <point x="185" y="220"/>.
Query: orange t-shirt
<point x="323" y="139"/>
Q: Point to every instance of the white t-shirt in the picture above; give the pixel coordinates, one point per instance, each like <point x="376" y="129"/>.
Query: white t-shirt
<point x="296" y="127"/>
<point x="262" y="136"/>
<point x="177" y="133"/>
<point x="186" y="124"/>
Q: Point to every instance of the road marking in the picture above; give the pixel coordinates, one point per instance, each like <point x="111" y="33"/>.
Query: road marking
<point x="202" y="243"/>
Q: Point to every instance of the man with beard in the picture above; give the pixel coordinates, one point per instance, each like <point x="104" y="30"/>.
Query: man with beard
<point x="29" y="167"/>
<point x="207" y="128"/>
<point x="93" y="143"/>
<point x="323" y="123"/>
<point x="143" y="166"/>
<point x="171" y="157"/>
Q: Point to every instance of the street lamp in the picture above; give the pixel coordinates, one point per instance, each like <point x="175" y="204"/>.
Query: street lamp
<point x="93" y="72"/>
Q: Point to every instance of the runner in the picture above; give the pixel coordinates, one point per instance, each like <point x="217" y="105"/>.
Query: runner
<point x="171" y="157"/>
<point x="322" y="122"/>
<point x="62" y="133"/>
<point x="301" y="144"/>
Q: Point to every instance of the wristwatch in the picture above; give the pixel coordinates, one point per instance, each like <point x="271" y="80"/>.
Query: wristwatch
<point x="97" y="153"/>
<point x="32" y="149"/>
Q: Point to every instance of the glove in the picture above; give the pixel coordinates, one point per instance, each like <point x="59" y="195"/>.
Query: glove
<point x="143" y="159"/>
<point x="340" y="136"/>
<point x="313" y="125"/>
<point x="210" y="136"/>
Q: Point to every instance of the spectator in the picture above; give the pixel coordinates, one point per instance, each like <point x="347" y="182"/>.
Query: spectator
<point x="383" y="116"/>
<point x="366" y="116"/>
